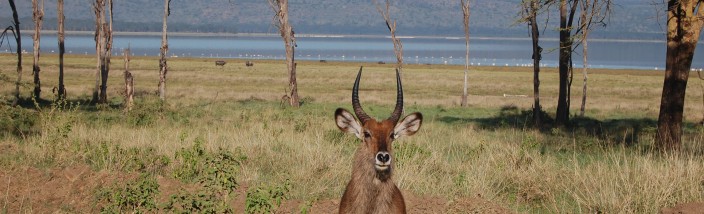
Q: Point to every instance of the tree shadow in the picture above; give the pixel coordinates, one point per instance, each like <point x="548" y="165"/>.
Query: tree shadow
<point x="626" y="131"/>
<point x="83" y="104"/>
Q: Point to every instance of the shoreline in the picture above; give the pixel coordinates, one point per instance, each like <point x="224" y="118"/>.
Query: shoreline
<point x="355" y="36"/>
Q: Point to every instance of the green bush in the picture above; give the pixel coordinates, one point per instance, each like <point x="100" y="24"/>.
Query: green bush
<point x="203" y="201"/>
<point x="217" y="171"/>
<point x="266" y="199"/>
<point x="136" y="196"/>
<point x="18" y="121"/>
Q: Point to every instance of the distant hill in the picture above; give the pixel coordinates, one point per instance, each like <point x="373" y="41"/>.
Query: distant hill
<point x="631" y="19"/>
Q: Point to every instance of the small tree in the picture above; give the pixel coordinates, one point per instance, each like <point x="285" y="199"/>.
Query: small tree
<point x="568" y="9"/>
<point x="103" y="49"/>
<point x="529" y="15"/>
<point x="591" y="12"/>
<point x="62" y="50"/>
<point x="465" y="12"/>
<point x="163" y="68"/>
<point x="37" y="17"/>
<point x="280" y="8"/>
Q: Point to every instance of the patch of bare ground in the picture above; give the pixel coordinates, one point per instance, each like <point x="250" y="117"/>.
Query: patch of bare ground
<point x="686" y="208"/>
<point x="73" y="189"/>
<point x="414" y="204"/>
<point x="70" y="189"/>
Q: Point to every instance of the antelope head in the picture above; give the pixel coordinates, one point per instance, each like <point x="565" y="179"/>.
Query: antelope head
<point x="375" y="152"/>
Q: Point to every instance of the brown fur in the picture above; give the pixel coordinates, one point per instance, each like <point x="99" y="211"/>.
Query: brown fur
<point x="370" y="191"/>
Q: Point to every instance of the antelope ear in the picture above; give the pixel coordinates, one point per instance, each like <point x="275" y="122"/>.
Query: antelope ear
<point x="347" y="123"/>
<point x="409" y="125"/>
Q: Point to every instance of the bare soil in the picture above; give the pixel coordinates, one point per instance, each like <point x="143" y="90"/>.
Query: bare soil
<point x="73" y="190"/>
<point x="686" y="208"/>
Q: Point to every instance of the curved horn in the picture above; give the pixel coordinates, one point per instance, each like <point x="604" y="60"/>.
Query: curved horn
<point x="363" y="117"/>
<point x="399" y="99"/>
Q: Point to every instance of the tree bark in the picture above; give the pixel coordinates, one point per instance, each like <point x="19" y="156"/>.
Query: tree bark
<point x="163" y="68"/>
<point x="585" y="33"/>
<point x="37" y="17"/>
<point x="280" y="7"/>
<point x="62" y="49"/>
<point x="129" y="82"/>
<point x="537" y="56"/>
<point x="565" y="63"/>
<point x="18" y="39"/>
<point x="107" y="54"/>
<point x="99" y="20"/>
<point x="465" y="12"/>
<point x="683" y="28"/>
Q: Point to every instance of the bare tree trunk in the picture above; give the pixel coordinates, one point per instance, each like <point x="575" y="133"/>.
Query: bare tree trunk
<point x="280" y="7"/>
<point x="37" y="17"/>
<point x="585" y="33"/>
<point x="99" y="20"/>
<point x="163" y="68"/>
<point x="129" y="82"/>
<point x="565" y="64"/>
<point x="18" y="39"/>
<point x="62" y="50"/>
<point x="107" y="54"/>
<point x="684" y="25"/>
<point x="465" y="12"/>
<point x="532" y="12"/>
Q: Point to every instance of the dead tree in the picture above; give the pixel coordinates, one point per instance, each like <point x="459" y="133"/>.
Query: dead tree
<point x="280" y="8"/>
<point x="62" y="50"/>
<point x="465" y="12"/>
<point x="37" y="17"/>
<point x="129" y="82"/>
<point x="391" y="25"/>
<point x="163" y="68"/>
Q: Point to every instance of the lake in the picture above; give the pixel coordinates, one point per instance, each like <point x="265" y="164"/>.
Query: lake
<point x="619" y="54"/>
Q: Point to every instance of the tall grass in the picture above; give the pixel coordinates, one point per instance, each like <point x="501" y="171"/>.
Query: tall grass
<point x="488" y="150"/>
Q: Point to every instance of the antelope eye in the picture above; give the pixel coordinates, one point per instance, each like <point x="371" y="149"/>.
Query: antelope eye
<point x="367" y="134"/>
<point x="392" y="136"/>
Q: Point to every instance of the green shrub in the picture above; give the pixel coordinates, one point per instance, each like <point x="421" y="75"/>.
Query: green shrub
<point x="136" y="196"/>
<point x="266" y="199"/>
<point x="217" y="171"/>
<point x="203" y="201"/>
<point x="18" y="121"/>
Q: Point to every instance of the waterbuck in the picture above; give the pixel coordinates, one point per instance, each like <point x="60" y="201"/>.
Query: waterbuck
<point x="371" y="189"/>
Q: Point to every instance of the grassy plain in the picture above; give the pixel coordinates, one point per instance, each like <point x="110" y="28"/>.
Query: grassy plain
<point x="603" y="163"/>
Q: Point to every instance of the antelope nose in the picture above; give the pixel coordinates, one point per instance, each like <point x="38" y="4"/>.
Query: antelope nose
<point x="383" y="157"/>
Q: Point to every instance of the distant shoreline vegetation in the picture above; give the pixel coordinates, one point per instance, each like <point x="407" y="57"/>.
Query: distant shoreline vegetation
<point x="211" y="34"/>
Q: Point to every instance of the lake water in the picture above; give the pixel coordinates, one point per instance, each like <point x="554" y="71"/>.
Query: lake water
<point x="451" y="50"/>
